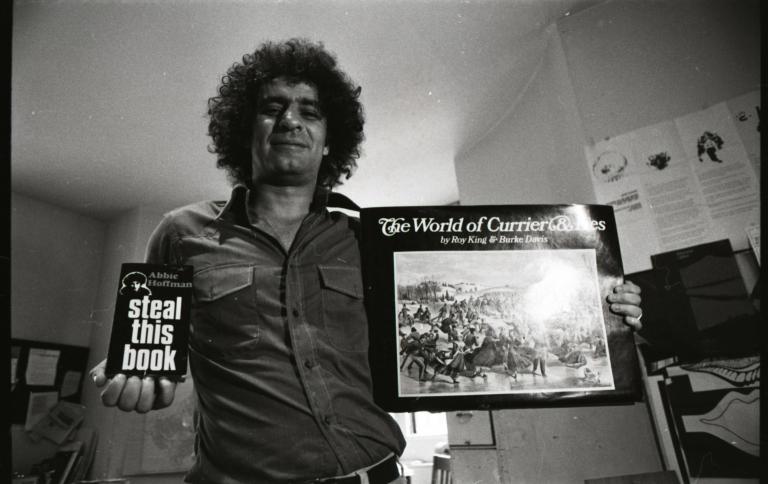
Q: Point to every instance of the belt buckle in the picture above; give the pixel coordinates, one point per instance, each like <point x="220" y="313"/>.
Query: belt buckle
<point x="362" y="477"/>
<point x="359" y="477"/>
<point x="353" y="479"/>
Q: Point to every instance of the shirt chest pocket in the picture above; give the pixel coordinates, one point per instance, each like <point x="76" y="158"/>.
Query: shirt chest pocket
<point x="343" y="310"/>
<point x="223" y="316"/>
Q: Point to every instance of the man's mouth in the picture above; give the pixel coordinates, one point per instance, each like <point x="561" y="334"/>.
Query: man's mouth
<point x="288" y="142"/>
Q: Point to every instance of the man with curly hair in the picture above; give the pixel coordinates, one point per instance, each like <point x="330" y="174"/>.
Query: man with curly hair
<point x="278" y="345"/>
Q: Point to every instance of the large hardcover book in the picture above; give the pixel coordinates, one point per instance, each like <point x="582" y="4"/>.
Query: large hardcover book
<point x="482" y="307"/>
<point x="150" y="330"/>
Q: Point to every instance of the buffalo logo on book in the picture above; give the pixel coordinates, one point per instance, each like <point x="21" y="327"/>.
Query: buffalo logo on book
<point x="151" y="323"/>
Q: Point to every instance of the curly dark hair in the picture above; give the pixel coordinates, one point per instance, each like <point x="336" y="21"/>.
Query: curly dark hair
<point x="231" y="112"/>
<point x="134" y="277"/>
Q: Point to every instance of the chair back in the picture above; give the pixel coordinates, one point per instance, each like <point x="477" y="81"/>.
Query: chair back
<point x="441" y="469"/>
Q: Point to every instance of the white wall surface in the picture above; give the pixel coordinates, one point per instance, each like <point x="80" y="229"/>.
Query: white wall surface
<point x="55" y="259"/>
<point x="534" y="154"/>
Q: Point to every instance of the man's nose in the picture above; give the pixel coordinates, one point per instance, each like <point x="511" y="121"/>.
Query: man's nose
<point x="290" y="119"/>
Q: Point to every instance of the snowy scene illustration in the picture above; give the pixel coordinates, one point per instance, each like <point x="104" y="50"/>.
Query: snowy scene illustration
<point x="500" y="322"/>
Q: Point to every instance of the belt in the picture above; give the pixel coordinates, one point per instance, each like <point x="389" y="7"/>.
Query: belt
<point x="384" y="472"/>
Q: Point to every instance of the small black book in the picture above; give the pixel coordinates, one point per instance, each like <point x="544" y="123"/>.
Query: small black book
<point x="150" y="330"/>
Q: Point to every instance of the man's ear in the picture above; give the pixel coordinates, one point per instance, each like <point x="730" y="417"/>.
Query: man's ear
<point x="327" y="147"/>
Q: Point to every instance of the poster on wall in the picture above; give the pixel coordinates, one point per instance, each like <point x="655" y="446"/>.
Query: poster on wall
<point x="681" y="182"/>
<point x="479" y="307"/>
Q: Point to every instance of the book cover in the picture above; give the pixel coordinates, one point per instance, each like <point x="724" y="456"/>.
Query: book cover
<point x="150" y="329"/>
<point x="695" y="304"/>
<point x="707" y="282"/>
<point x="479" y="307"/>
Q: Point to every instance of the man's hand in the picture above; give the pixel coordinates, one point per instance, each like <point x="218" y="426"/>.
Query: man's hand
<point x="133" y="393"/>
<point x="625" y="300"/>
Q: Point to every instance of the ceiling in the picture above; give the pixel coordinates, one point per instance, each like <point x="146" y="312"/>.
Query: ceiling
<point x="109" y="97"/>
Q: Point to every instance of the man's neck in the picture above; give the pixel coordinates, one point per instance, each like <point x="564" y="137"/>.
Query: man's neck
<point x="280" y="204"/>
<point x="282" y="208"/>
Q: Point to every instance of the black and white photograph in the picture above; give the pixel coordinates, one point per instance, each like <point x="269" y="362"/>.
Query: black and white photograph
<point x="474" y="322"/>
<point x="410" y="229"/>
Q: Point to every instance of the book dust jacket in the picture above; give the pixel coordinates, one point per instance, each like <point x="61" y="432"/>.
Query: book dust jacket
<point x="481" y="307"/>
<point x="150" y="330"/>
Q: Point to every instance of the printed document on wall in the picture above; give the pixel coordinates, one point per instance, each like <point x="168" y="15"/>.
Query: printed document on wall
<point x="724" y="171"/>
<point x="682" y="182"/>
<point x="745" y="111"/>
<point x="617" y="182"/>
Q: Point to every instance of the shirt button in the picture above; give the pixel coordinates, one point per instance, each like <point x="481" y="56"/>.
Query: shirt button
<point x="328" y="419"/>
<point x="309" y="364"/>
<point x="295" y="313"/>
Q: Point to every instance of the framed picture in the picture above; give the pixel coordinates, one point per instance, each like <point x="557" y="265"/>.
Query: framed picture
<point x="483" y="307"/>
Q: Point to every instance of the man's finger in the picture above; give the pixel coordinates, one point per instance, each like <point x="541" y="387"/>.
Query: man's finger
<point x="147" y="397"/>
<point x="111" y="394"/>
<point x="98" y="375"/>
<point x="627" y="286"/>
<point x="166" y="391"/>
<point x="130" y="396"/>
<point x="631" y="310"/>
<point x="633" y="322"/>
<point x="625" y="298"/>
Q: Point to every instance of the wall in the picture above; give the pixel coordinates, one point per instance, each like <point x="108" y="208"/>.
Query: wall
<point x="53" y="286"/>
<point x="610" y="69"/>
<point x="534" y="154"/>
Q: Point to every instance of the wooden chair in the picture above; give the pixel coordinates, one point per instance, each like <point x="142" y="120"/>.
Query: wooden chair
<point x="441" y="469"/>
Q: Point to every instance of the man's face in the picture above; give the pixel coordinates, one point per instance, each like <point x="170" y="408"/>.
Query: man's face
<point x="288" y="134"/>
<point x="135" y="285"/>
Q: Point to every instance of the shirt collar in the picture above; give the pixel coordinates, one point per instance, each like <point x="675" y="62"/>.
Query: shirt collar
<point x="236" y="208"/>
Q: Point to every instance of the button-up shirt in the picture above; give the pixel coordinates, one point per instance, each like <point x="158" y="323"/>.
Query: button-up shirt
<point x="278" y="345"/>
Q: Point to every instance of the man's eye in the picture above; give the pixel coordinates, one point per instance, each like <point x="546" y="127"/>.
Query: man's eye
<point x="311" y="114"/>
<point x="271" y="110"/>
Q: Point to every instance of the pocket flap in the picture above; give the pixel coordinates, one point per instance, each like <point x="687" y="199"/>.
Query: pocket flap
<point x="345" y="280"/>
<point x="215" y="282"/>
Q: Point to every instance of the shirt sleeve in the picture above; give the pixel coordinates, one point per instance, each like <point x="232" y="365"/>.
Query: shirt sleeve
<point x="161" y="247"/>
